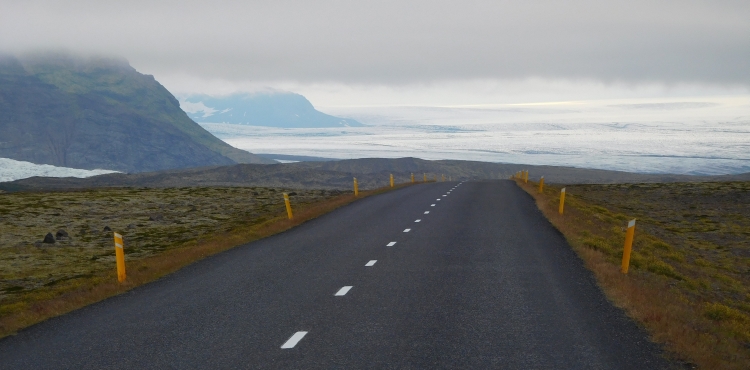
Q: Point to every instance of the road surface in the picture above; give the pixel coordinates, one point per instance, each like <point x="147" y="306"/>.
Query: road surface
<point x="435" y="276"/>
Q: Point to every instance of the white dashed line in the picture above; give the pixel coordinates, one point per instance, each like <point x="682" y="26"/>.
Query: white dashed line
<point x="343" y="291"/>
<point x="444" y="196"/>
<point x="426" y="212"/>
<point x="419" y="219"/>
<point x="437" y="199"/>
<point x="391" y="244"/>
<point x="291" y="342"/>
<point x="372" y="262"/>
<point x="407" y="230"/>
<point x="432" y="205"/>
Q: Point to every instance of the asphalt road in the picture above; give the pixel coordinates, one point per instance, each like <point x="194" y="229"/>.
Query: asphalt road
<point x="482" y="281"/>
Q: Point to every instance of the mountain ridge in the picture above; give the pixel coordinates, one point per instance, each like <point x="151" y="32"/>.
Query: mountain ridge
<point x="271" y="109"/>
<point x="99" y="113"/>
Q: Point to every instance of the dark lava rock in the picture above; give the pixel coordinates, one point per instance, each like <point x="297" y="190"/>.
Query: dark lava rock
<point x="61" y="234"/>
<point x="292" y="193"/>
<point x="49" y="239"/>
<point x="107" y="228"/>
<point x="131" y="226"/>
<point x="156" y="217"/>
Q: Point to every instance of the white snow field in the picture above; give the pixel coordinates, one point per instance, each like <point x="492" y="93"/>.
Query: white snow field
<point x="707" y="136"/>
<point x="11" y="170"/>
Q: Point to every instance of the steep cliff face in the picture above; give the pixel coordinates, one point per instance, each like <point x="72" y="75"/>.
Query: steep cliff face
<point x="99" y="113"/>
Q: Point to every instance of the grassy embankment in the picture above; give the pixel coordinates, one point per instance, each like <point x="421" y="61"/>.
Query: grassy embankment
<point x="689" y="280"/>
<point x="164" y="230"/>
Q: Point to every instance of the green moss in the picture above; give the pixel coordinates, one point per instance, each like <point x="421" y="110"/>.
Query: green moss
<point x="661" y="268"/>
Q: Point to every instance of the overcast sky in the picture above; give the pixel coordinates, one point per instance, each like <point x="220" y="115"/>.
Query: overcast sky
<point x="449" y="50"/>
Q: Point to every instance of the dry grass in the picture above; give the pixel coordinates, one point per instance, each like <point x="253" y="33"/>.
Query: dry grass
<point x="30" y="306"/>
<point x="691" y="298"/>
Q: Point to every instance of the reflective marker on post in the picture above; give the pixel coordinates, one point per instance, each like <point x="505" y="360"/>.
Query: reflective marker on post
<point x="541" y="185"/>
<point x="288" y="206"/>
<point x="628" y="246"/>
<point x="120" y="257"/>
<point x="562" y="200"/>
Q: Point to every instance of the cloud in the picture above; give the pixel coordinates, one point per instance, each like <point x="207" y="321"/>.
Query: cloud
<point x="400" y="42"/>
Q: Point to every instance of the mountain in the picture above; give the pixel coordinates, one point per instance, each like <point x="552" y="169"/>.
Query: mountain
<point x="99" y="113"/>
<point x="275" y="109"/>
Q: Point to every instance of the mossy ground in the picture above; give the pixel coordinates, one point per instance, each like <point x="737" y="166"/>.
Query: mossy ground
<point x="150" y="220"/>
<point x="689" y="279"/>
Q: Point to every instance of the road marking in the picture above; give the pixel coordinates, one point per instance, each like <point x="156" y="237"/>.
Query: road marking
<point x="391" y="244"/>
<point x="432" y="205"/>
<point x="418" y="219"/>
<point x="372" y="262"/>
<point x="426" y="212"/>
<point x="444" y="196"/>
<point x="437" y="199"/>
<point x="407" y="230"/>
<point x="343" y="291"/>
<point x="291" y="342"/>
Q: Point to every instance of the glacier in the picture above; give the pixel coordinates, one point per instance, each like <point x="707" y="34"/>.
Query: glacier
<point x="11" y="170"/>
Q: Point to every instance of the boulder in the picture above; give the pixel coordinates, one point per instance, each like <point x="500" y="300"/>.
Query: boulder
<point x="107" y="229"/>
<point x="61" y="235"/>
<point x="156" y="217"/>
<point x="49" y="239"/>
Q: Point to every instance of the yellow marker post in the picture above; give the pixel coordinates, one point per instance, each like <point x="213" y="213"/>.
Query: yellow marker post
<point x="628" y="246"/>
<point x="120" y="257"/>
<point x="562" y="200"/>
<point x="412" y="178"/>
<point x="541" y="185"/>
<point x="526" y="177"/>
<point x="443" y="178"/>
<point x="356" y="188"/>
<point x="391" y="180"/>
<point x="425" y="177"/>
<point x="288" y="206"/>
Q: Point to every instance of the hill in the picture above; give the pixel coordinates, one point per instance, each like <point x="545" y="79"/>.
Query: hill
<point x="276" y="109"/>
<point x="370" y="172"/>
<point x="99" y="113"/>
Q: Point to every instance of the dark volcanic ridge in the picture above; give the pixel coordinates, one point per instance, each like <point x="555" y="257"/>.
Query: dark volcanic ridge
<point x="99" y="113"/>
<point x="370" y="172"/>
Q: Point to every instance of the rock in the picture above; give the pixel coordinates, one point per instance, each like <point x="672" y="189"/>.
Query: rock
<point x="131" y="226"/>
<point x="292" y="193"/>
<point x="192" y="209"/>
<point x="61" y="234"/>
<point x="156" y="217"/>
<point x="107" y="229"/>
<point x="49" y="239"/>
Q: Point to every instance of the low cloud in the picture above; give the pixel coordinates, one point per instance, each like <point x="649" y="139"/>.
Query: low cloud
<point x="400" y="42"/>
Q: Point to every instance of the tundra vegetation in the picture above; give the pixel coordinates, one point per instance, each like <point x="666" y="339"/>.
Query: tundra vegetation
<point x="689" y="278"/>
<point x="163" y="230"/>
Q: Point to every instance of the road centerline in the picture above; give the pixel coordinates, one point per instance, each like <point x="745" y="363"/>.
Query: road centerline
<point x="343" y="291"/>
<point x="293" y="340"/>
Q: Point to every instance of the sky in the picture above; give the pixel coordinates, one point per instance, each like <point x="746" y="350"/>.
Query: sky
<point x="439" y="53"/>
